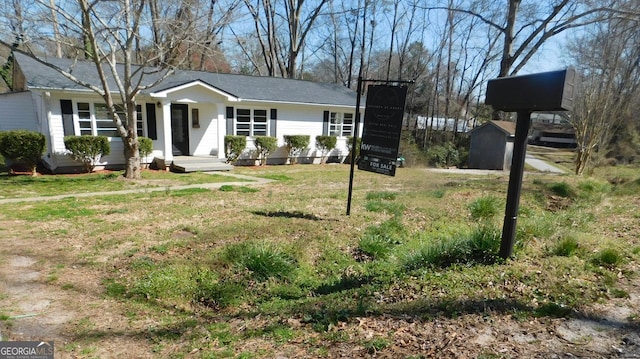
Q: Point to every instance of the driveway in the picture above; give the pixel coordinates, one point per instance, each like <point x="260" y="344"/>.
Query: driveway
<point x="531" y="160"/>
<point x="541" y="165"/>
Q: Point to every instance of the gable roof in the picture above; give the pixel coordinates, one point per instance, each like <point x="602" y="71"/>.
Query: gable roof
<point x="509" y="128"/>
<point x="239" y="87"/>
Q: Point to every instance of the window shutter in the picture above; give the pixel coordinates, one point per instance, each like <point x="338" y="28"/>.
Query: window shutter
<point x="66" y="108"/>
<point x="272" y="123"/>
<point x="152" y="126"/>
<point x="325" y="124"/>
<point x="230" y="113"/>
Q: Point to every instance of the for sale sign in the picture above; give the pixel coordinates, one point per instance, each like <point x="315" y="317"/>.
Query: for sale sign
<point x="382" y="128"/>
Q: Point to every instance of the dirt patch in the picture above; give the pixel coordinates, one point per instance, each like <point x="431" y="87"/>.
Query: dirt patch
<point x="36" y="311"/>
<point x="37" y="308"/>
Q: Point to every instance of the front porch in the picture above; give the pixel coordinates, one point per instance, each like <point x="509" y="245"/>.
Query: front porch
<point x="199" y="164"/>
<point x="184" y="164"/>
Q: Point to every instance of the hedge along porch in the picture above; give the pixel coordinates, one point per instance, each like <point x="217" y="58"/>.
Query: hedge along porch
<point x="186" y="115"/>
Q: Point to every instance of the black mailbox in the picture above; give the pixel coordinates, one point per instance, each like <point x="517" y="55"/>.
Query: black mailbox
<point x="546" y="91"/>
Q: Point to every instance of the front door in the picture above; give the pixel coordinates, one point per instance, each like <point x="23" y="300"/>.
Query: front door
<point x="180" y="129"/>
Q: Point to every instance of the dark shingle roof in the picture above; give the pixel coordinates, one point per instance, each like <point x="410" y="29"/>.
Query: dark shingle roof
<point x="509" y="128"/>
<point x="271" y="89"/>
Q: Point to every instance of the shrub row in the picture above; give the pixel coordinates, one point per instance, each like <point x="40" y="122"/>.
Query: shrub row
<point x="25" y="148"/>
<point x="265" y="145"/>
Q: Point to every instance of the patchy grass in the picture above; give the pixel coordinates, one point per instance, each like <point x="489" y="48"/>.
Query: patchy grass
<point x="283" y="271"/>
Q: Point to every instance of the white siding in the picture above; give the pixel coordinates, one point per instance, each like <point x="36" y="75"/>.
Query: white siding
<point x="299" y="120"/>
<point x="203" y="141"/>
<point x="17" y="112"/>
<point x="56" y="129"/>
<point x="40" y="111"/>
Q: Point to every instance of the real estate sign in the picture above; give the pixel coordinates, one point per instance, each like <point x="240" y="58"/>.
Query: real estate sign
<point x="382" y="128"/>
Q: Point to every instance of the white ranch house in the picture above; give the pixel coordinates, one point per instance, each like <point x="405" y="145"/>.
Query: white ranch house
<point x="186" y="115"/>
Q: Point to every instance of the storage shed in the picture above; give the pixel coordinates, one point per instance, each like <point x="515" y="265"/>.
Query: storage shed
<point x="492" y="145"/>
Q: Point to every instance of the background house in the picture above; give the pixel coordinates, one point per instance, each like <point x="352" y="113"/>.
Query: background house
<point x="552" y="130"/>
<point x="492" y="145"/>
<point x="186" y="115"/>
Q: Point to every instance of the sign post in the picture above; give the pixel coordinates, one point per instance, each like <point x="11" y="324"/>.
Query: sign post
<point x="548" y="91"/>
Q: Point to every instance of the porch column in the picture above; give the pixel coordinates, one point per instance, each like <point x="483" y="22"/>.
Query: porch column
<point x="221" y="121"/>
<point x="167" y="139"/>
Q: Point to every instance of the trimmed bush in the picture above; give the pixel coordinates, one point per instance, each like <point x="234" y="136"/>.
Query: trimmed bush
<point x="146" y="146"/>
<point x="265" y="145"/>
<point x="295" y="144"/>
<point x="233" y="147"/>
<point x="87" y="149"/>
<point x="23" y="147"/>
<point x="352" y="153"/>
<point x="325" y="144"/>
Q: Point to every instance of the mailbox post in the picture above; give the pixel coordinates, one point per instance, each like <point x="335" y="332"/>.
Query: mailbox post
<point x="548" y="91"/>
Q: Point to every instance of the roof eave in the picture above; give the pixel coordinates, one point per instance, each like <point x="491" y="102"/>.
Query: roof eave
<point x="300" y="103"/>
<point x="165" y="93"/>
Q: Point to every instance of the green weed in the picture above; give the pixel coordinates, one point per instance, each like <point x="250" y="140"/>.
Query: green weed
<point x="565" y="247"/>
<point x="553" y="310"/>
<point x="480" y="246"/>
<point x="376" y="344"/>
<point x="562" y="189"/>
<point x="263" y="260"/>
<point x="381" y="196"/>
<point x="114" y="289"/>
<point x="170" y="282"/>
<point x="222" y="294"/>
<point x="485" y="208"/>
<point x="378" y="241"/>
<point x="608" y="257"/>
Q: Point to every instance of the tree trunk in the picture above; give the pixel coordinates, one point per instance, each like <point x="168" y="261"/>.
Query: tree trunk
<point x="509" y="35"/>
<point x="582" y="160"/>
<point x="132" y="154"/>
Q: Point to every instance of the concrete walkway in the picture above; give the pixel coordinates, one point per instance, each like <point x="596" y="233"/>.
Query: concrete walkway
<point x="541" y="165"/>
<point x="531" y="160"/>
<point x="256" y="181"/>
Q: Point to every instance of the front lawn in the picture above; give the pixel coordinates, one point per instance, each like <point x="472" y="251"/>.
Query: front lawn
<point x="282" y="271"/>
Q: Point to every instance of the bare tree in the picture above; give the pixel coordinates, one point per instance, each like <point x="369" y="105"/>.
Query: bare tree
<point x="526" y="26"/>
<point x="281" y="30"/>
<point x="110" y="32"/>
<point x="610" y="85"/>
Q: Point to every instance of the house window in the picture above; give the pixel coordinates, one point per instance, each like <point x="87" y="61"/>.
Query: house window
<point x="251" y="122"/>
<point x="139" y="121"/>
<point x="100" y="123"/>
<point x="340" y="124"/>
<point x="104" y="123"/>
<point x="195" y="118"/>
<point x="84" y="118"/>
